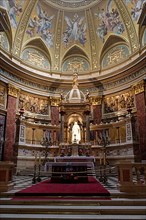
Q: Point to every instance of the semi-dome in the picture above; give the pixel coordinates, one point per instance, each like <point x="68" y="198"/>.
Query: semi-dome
<point x="47" y="40"/>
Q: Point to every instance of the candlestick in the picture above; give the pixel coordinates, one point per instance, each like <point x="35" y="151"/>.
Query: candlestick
<point x="100" y="160"/>
<point x="35" y="158"/>
<point x="39" y="158"/>
<point x="104" y="159"/>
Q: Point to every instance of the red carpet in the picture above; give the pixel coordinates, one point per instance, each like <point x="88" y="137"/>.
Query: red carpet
<point x="47" y="188"/>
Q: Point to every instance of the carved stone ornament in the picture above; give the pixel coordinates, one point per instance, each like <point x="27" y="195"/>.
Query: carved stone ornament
<point x="139" y="87"/>
<point x="13" y="91"/>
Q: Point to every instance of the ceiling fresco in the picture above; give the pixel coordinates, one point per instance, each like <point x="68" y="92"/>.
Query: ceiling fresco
<point x="53" y="36"/>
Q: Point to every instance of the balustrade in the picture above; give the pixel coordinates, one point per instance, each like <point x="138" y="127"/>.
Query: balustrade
<point x="132" y="177"/>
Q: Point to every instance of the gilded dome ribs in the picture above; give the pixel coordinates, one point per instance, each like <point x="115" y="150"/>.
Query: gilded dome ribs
<point x="22" y="27"/>
<point x="131" y="32"/>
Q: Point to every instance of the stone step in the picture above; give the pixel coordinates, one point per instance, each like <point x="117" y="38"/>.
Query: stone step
<point x="92" y="210"/>
<point x="70" y="201"/>
<point x="70" y="217"/>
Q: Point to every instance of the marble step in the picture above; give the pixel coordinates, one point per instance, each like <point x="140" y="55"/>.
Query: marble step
<point x="62" y="209"/>
<point x="72" y="202"/>
<point x="70" y="217"/>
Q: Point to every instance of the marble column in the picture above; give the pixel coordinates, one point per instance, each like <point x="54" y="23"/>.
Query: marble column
<point x="87" y="112"/>
<point x="62" y="125"/>
<point x="10" y="123"/>
<point x="97" y="110"/>
<point x="139" y="89"/>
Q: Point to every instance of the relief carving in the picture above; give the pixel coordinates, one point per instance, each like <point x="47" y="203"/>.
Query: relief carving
<point x="2" y="95"/>
<point x="119" y="102"/>
<point x="33" y="104"/>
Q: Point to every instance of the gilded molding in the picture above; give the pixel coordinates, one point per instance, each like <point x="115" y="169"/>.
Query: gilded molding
<point x="22" y="27"/>
<point x="139" y="87"/>
<point x="57" y="42"/>
<point x="13" y="91"/>
<point x="132" y="35"/>
<point x="92" y="41"/>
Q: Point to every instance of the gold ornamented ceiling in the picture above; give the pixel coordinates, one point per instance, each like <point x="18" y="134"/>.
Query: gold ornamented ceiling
<point x="52" y="39"/>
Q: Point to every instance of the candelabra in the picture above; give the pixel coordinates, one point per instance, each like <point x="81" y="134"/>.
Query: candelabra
<point x="46" y="143"/>
<point x="103" y="160"/>
<point x="39" y="170"/>
<point x="34" y="174"/>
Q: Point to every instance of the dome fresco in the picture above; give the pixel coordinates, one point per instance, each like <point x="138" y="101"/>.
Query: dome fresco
<point x="59" y="37"/>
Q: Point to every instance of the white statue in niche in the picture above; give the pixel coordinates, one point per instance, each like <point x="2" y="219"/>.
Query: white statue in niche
<point x="76" y="133"/>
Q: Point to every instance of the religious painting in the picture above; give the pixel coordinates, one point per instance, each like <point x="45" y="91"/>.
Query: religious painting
<point x="15" y="9"/>
<point x="115" y="55"/>
<point x="41" y="24"/>
<point x="78" y="64"/>
<point x="36" y="58"/>
<point x="135" y="7"/>
<point x="75" y="30"/>
<point x="108" y="20"/>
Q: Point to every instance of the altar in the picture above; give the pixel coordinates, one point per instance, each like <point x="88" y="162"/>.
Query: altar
<point x="70" y="169"/>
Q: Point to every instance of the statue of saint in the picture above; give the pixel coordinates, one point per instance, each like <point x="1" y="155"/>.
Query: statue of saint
<point x="76" y="133"/>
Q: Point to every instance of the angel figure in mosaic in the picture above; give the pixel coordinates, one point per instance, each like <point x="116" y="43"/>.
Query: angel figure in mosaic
<point x="75" y="29"/>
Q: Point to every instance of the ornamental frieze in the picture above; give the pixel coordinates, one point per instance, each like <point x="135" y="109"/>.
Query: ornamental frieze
<point x="111" y="85"/>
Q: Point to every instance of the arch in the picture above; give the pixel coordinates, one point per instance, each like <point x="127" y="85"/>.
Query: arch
<point x="77" y="59"/>
<point x="75" y="50"/>
<point x="36" y="56"/>
<point x="39" y="44"/>
<point x="110" y="42"/>
<point x="114" y="51"/>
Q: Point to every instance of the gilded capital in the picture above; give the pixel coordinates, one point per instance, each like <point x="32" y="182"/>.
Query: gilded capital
<point x="13" y="91"/>
<point x="96" y="100"/>
<point x="139" y="87"/>
<point x="54" y="101"/>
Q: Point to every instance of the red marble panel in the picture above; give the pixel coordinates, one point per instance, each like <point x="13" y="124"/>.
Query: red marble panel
<point x="141" y="117"/>
<point x="2" y="175"/>
<point x="54" y="115"/>
<point x="97" y="114"/>
<point x="126" y="175"/>
<point x="10" y="129"/>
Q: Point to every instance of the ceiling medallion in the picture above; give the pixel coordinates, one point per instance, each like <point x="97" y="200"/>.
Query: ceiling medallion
<point x="72" y="3"/>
